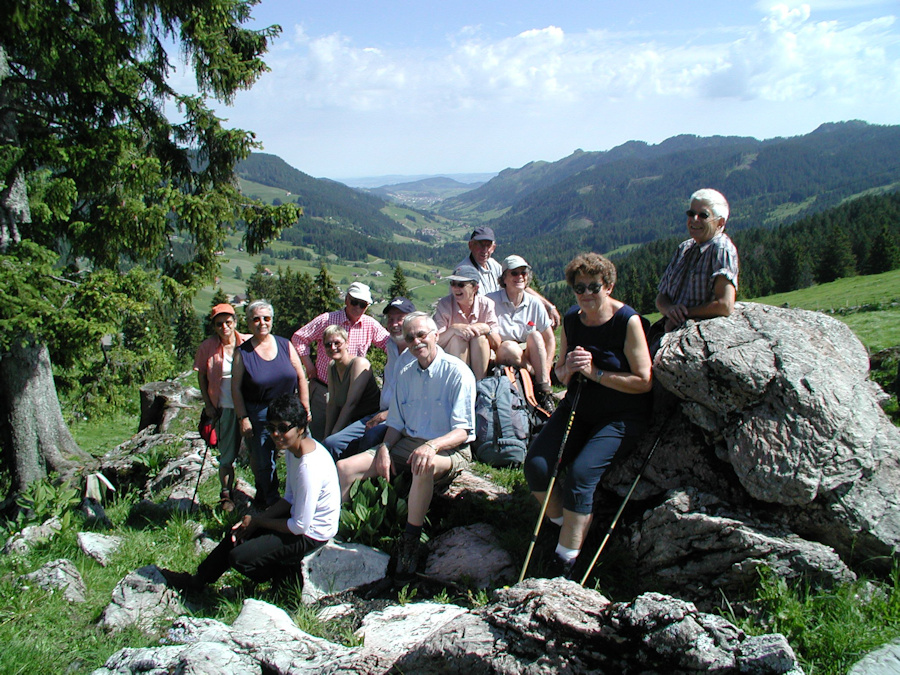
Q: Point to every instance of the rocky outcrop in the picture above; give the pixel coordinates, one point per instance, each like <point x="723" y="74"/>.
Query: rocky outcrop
<point x="776" y="452"/>
<point x="58" y="575"/>
<point x="538" y="626"/>
<point x="141" y="599"/>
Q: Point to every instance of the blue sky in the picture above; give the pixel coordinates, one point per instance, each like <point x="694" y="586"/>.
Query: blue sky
<point x="376" y="87"/>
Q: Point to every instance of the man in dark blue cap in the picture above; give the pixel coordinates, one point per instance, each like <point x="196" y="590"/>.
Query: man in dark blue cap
<point x="369" y="431"/>
<point x="482" y="244"/>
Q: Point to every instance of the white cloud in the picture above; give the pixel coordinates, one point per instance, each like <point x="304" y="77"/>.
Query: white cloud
<point x="787" y="56"/>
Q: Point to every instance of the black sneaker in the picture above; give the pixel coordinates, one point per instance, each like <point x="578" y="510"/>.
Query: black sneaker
<point x="406" y="559"/>
<point x="557" y="567"/>
<point x="181" y="581"/>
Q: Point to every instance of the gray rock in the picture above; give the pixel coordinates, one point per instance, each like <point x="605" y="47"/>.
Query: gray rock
<point x="20" y="543"/>
<point x="468" y="485"/>
<point x="337" y="567"/>
<point x="141" y="599"/>
<point x="397" y="629"/>
<point x="882" y="661"/>
<point x="335" y="612"/>
<point x="554" y="625"/>
<point x="59" y="575"/>
<point x="470" y="555"/>
<point x="693" y="539"/>
<point x="767" y="654"/>
<point x="262" y="639"/>
<point x="100" y="547"/>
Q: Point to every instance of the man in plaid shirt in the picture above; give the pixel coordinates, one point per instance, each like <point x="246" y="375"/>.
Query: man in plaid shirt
<point x="362" y="331"/>
<point x="701" y="280"/>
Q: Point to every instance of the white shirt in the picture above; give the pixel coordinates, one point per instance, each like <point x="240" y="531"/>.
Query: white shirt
<point x="313" y="490"/>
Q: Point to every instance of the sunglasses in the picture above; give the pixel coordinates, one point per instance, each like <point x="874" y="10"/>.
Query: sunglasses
<point x="282" y="427"/>
<point x="260" y="319"/>
<point x="520" y="272"/>
<point x="421" y="335"/>
<point x="593" y="287"/>
<point x="227" y="322"/>
<point x="460" y="284"/>
<point x="334" y="344"/>
<point x="702" y="215"/>
<point x="359" y="303"/>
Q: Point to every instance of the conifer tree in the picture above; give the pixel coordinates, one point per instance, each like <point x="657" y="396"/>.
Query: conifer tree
<point x="398" y="284"/>
<point x="90" y="166"/>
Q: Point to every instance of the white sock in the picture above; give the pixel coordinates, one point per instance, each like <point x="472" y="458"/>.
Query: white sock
<point x="566" y="554"/>
<point x="556" y="521"/>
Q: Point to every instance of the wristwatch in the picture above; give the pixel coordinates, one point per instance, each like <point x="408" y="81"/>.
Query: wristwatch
<point x="599" y="374"/>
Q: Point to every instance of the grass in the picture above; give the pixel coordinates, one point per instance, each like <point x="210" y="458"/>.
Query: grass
<point x="829" y="630"/>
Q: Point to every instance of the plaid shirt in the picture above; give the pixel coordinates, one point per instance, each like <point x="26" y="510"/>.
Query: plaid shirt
<point x="361" y="335"/>
<point x="690" y="276"/>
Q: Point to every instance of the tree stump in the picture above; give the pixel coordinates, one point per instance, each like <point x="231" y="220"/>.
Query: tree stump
<point x="161" y="401"/>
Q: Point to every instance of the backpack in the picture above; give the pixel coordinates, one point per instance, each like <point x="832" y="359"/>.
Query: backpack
<point x="504" y="418"/>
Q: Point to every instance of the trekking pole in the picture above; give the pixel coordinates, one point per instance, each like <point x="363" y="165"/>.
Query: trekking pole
<point x="199" y="476"/>
<point x="540" y="520"/>
<point x="615" y="519"/>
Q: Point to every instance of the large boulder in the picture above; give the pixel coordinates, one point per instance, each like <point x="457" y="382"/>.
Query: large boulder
<point x="774" y="421"/>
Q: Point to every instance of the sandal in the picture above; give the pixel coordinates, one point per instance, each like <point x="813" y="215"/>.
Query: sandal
<point x="226" y="503"/>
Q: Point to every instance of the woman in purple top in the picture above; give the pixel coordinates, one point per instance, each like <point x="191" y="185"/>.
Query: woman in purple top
<point x="265" y="367"/>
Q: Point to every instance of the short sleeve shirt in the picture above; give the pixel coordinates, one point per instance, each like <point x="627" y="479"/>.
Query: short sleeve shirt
<point x="432" y="402"/>
<point x="448" y="312"/>
<point x="690" y="277"/>
<point x="488" y="276"/>
<point x="517" y="321"/>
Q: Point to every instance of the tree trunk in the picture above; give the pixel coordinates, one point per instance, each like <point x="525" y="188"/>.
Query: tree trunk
<point x="35" y="438"/>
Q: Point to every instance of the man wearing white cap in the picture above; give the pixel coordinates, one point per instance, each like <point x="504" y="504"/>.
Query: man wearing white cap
<point x="362" y="332"/>
<point x="525" y="328"/>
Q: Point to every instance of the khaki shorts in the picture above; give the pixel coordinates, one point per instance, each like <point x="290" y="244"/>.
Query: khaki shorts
<point x="460" y="457"/>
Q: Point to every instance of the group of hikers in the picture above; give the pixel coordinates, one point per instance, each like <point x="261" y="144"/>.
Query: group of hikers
<point x="335" y="426"/>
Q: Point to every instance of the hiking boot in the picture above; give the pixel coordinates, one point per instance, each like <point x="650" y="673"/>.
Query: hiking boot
<point x="557" y="567"/>
<point x="226" y="503"/>
<point x="546" y="400"/>
<point x="182" y="581"/>
<point x="406" y="559"/>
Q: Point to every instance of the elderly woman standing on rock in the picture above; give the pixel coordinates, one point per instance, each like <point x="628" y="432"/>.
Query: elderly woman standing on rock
<point x="213" y="363"/>
<point x="701" y="280"/>
<point x="265" y="367"/>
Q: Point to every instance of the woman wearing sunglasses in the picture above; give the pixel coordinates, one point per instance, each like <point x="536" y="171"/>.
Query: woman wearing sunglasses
<point x="701" y="280"/>
<point x="272" y="544"/>
<point x="265" y="367"/>
<point x="214" y="363"/>
<point x="467" y="322"/>
<point x="605" y="363"/>
<point x="352" y="390"/>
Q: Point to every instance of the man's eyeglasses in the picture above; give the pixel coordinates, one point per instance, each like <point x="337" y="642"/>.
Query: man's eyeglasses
<point x="282" y="427"/>
<point x="593" y="287"/>
<point x="359" y="303"/>
<point x="335" y="344"/>
<point x="460" y="284"/>
<point x="421" y="335"/>
<point x="702" y="215"/>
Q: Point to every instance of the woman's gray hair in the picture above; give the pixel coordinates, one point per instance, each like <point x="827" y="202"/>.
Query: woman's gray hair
<point x="257" y="304"/>
<point x="412" y="316"/>
<point x="716" y="201"/>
